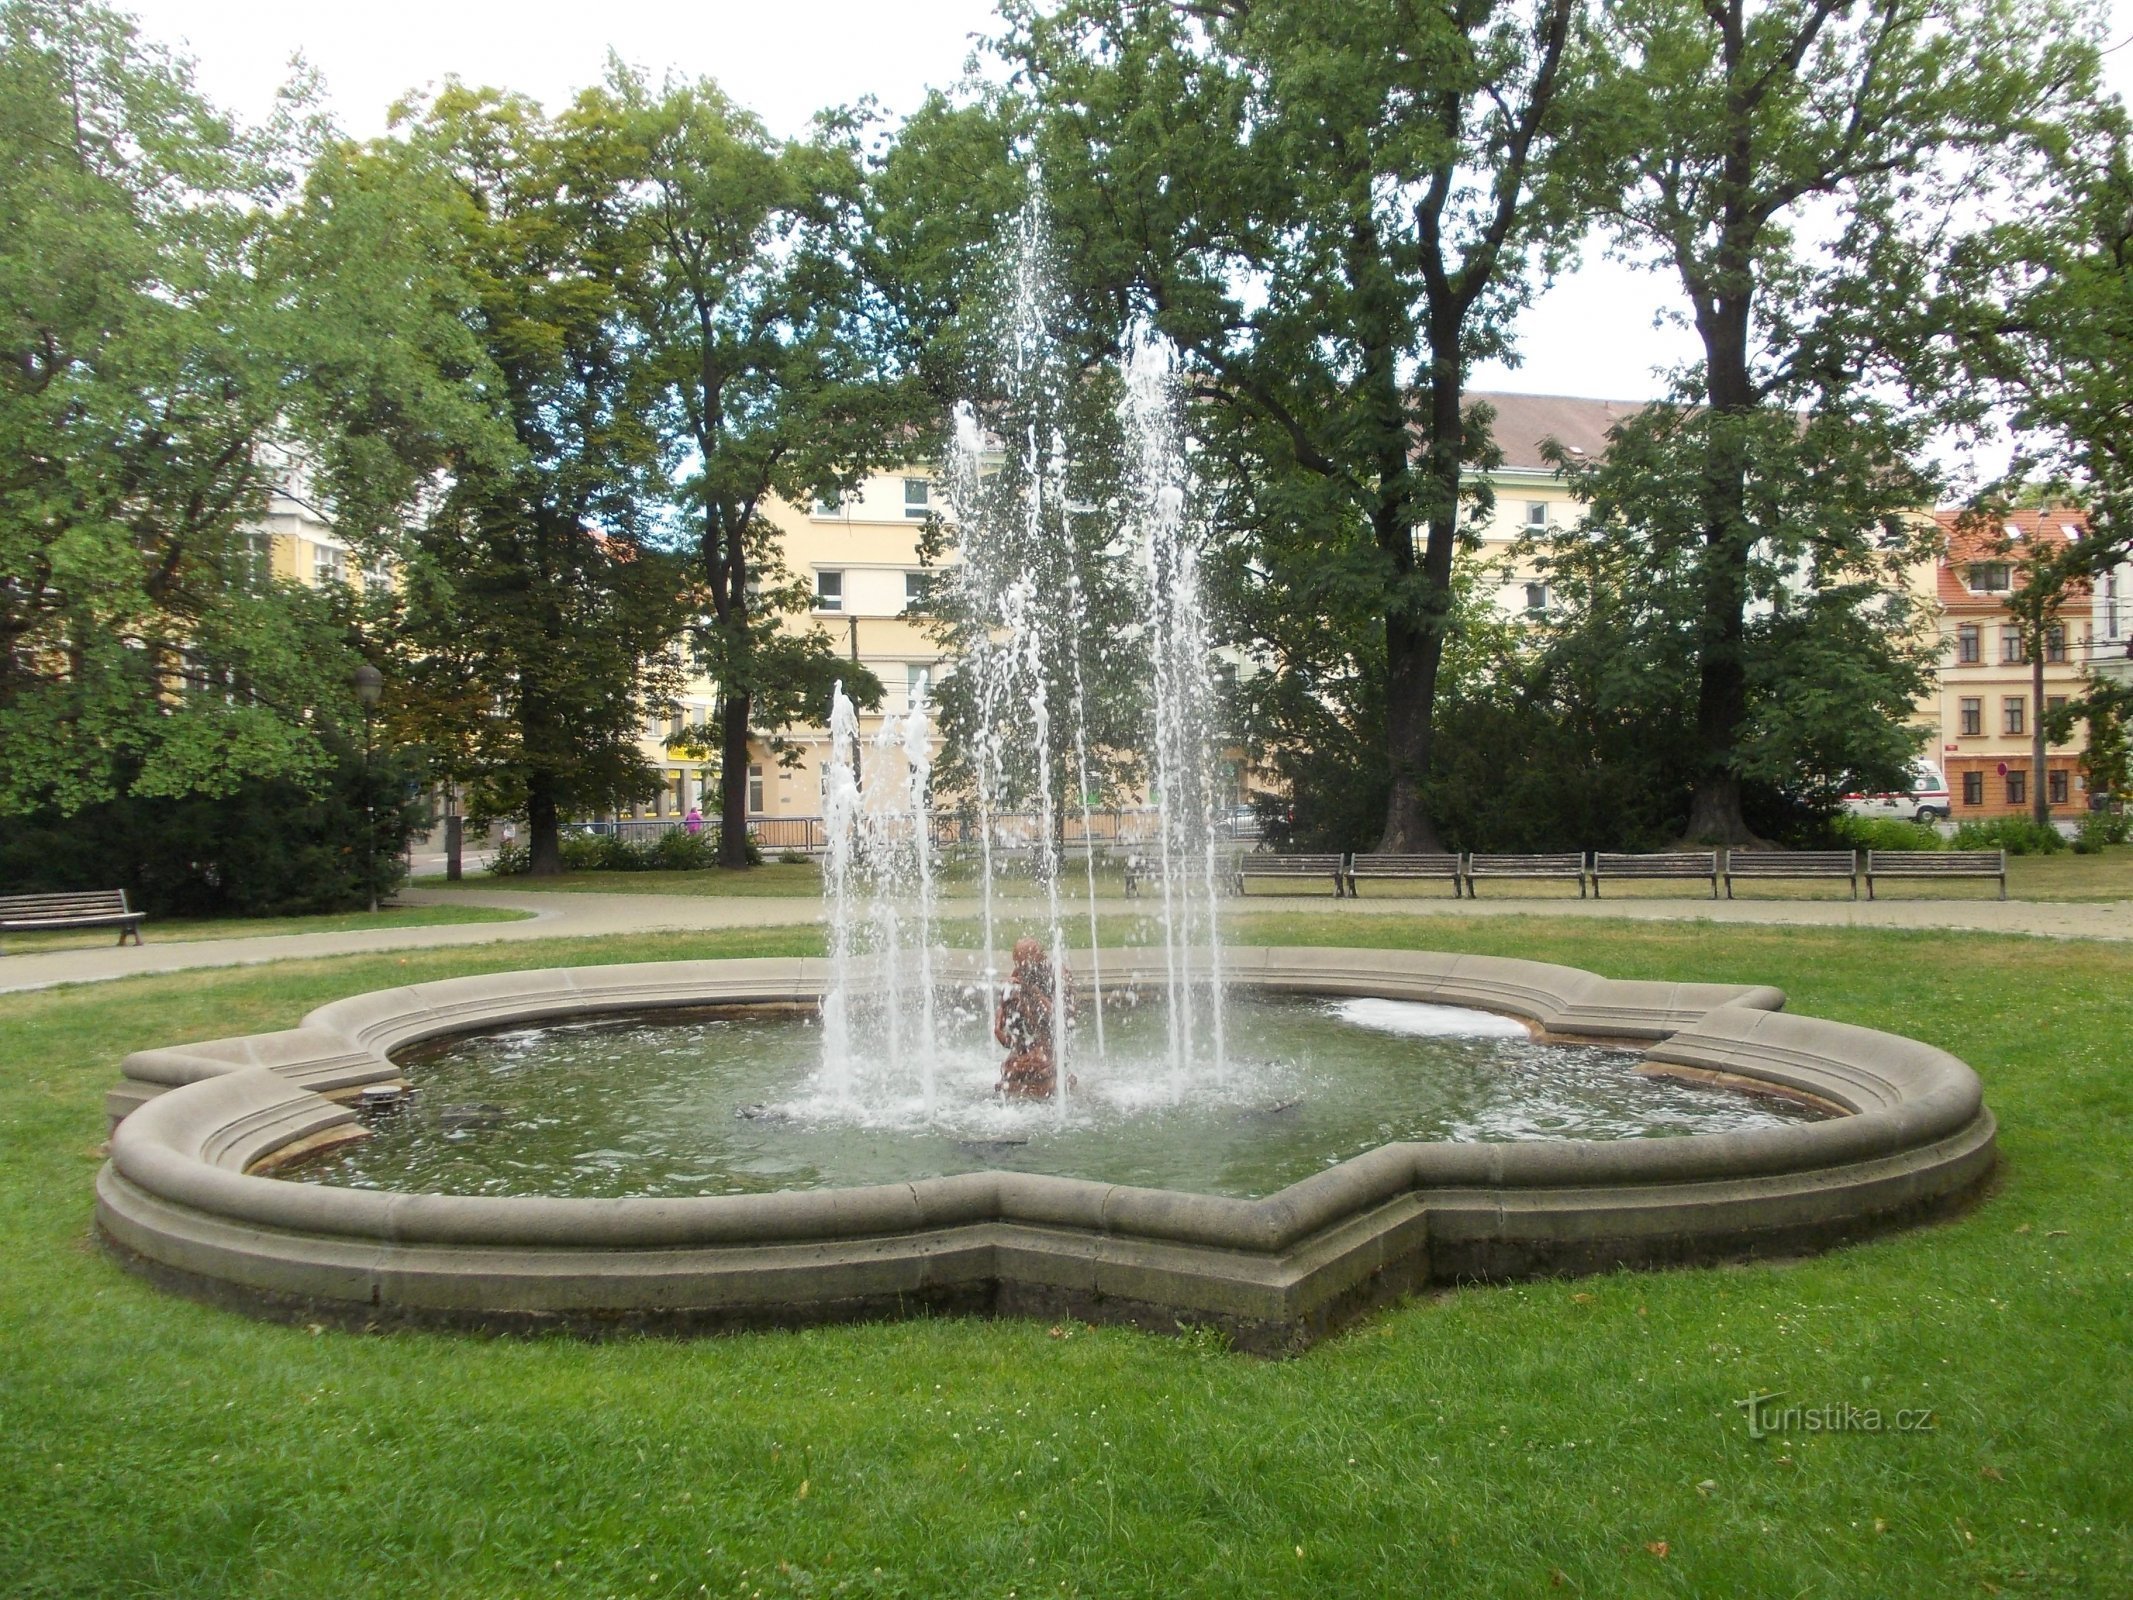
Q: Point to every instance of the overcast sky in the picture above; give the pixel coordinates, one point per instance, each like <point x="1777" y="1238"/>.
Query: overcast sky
<point x="1591" y="335"/>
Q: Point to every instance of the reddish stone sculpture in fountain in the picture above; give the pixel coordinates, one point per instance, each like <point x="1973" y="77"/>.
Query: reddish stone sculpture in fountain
<point x="1024" y="1024"/>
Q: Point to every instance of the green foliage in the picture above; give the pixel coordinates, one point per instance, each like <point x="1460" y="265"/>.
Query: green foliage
<point x="147" y="339"/>
<point x="2100" y="829"/>
<point x="1885" y="833"/>
<point x="271" y="847"/>
<point x="765" y="373"/>
<point x="1827" y="651"/>
<point x="1809" y="173"/>
<point x="1333" y="209"/>
<point x="2018" y="836"/>
<point x="536" y="618"/>
<point x="673" y="849"/>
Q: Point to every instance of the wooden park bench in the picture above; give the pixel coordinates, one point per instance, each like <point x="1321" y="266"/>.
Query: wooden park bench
<point x="1936" y="864"/>
<point x="1444" y="866"/>
<point x="45" y="913"/>
<point x="1792" y="866"/>
<point x="1266" y="865"/>
<point x="1141" y="867"/>
<point x="1570" y="864"/>
<point x="1701" y="865"/>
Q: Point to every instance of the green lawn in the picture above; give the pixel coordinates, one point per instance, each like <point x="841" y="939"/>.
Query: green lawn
<point x="165" y="930"/>
<point x="1560" y="1437"/>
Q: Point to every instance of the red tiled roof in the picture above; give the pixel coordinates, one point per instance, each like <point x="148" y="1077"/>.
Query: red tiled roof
<point x="1523" y="421"/>
<point x="1969" y="540"/>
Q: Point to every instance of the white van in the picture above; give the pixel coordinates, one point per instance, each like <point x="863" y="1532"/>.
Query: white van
<point x="1927" y="800"/>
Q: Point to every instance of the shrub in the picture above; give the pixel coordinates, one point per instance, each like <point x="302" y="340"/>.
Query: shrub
<point x="2018" y="836"/>
<point x="270" y="848"/>
<point x="2101" y="828"/>
<point x="1885" y="833"/>
<point x="679" y="850"/>
<point x="509" y="860"/>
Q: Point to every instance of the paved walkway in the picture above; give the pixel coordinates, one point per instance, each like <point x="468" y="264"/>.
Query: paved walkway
<point x="592" y="916"/>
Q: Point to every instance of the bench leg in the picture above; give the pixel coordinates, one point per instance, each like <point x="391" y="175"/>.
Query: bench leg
<point x="1869" y="887"/>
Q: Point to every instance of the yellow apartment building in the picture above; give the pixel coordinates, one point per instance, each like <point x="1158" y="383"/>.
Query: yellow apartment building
<point x="1980" y="713"/>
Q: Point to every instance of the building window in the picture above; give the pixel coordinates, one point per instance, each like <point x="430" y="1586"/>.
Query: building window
<point x="2055" y="787"/>
<point x="829" y="505"/>
<point x="1536" y="598"/>
<point x="2055" y="643"/>
<point x="1966" y="644"/>
<point x="2011" y="645"/>
<point x="829" y="591"/>
<point x="1973" y="788"/>
<point x="918" y="589"/>
<point x="1973" y="717"/>
<point x="328" y="566"/>
<point x="2013" y="711"/>
<point x="1990" y="577"/>
<point x="918" y="495"/>
<point x="755" y="789"/>
<point x="915" y="677"/>
<point x="2017" y="786"/>
<point x="1536" y="513"/>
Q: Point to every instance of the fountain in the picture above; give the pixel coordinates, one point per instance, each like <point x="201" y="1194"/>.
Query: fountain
<point x="1020" y="588"/>
<point x="1265" y="1141"/>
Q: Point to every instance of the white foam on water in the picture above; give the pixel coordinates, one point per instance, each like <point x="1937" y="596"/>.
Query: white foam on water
<point x="1420" y="1020"/>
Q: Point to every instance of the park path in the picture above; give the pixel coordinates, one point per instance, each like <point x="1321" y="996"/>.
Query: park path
<point x="593" y="916"/>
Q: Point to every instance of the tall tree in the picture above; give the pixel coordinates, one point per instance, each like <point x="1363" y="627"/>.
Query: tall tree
<point x="146" y="350"/>
<point x="765" y="369"/>
<point x="1333" y="207"/>
<point x="1808" y="170"/>
<point x="540" y="619"/>
<point x="1834" y="650"/>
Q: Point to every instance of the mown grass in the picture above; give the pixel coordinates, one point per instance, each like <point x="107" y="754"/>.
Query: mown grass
<point x="1556" y="1437"/>
<point x="174" y="929"/>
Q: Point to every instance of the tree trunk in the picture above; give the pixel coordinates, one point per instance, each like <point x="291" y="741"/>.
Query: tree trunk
<point x="733" y="780"/>
<point x="2040" y="806"/>
<point x="1721" y="625"/>
<point x="1412" y="657"/>
<point x="1414" y="644"/>
<point x="544" y="827"/>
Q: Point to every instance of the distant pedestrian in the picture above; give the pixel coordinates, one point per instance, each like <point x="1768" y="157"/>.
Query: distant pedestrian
<point x="694" y="821"/>
<point x="510" y="833"/>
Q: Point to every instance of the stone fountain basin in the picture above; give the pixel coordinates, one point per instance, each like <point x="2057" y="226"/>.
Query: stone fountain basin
<point x="181" y="1199"/>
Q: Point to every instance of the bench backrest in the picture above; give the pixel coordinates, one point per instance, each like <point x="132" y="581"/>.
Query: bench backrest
<point x="1936" y="861"/>
<point x="1696" y="863"/>
<point x="1567" y="861"/>
<point x="90" y="903"/>
<point x="1778" y="862"/>
<point x="1386" y="861"/>
<point x="1259" y="864"/>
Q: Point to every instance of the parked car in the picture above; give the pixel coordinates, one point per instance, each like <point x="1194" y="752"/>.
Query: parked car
<point x="1927" y="800"/>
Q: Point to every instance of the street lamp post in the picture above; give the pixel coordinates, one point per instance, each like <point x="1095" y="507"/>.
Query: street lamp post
<point x="369" y="685"/>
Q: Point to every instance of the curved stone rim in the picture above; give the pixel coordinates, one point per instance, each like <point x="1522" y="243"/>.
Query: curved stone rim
<point x="179" y="1199"/>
